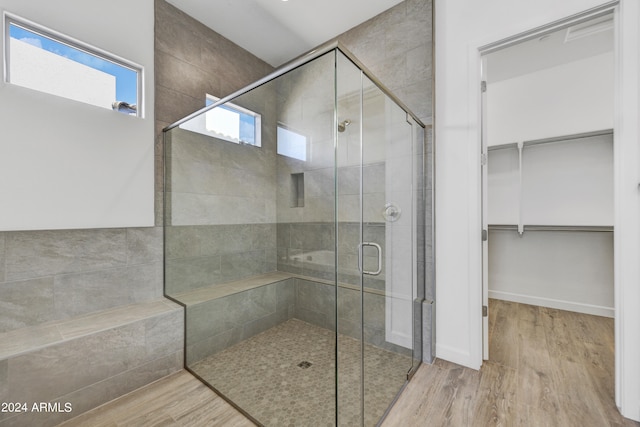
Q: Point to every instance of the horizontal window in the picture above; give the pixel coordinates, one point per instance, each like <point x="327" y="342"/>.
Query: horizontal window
<point x="291" y="143"/>
<point x="40" y="59"/>
<point x="233" y="123"/>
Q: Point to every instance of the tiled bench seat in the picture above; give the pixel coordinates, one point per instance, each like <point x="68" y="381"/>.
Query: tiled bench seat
<point x="88" y="360"/>
<point x="222" y="315"/>
<point x="204" y="294"/>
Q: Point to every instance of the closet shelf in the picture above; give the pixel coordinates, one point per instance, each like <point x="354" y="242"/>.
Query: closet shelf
<point x="563" y="138"/>
<point x="581" y="228"/>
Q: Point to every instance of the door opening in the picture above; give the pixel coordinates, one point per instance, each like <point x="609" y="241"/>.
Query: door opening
<point x="547" y="169"/>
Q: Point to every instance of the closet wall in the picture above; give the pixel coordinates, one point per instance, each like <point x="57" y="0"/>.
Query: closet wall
<point x="550" y="186"/>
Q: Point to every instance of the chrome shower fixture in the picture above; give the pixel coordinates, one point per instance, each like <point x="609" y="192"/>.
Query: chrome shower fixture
<point x="342" y="126"/>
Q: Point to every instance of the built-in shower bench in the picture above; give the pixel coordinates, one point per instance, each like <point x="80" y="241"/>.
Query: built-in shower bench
<point x="88" y="360"/>
<point x="222" y="290"/>
<point x="221" y="315"/>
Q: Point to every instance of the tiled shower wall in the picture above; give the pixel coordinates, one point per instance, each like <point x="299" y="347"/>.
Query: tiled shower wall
<point x="395" y="46"/>
<point x="208" y="238"/>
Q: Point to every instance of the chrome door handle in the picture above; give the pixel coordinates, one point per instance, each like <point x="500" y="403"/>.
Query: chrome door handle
<point x="361" y="261"/>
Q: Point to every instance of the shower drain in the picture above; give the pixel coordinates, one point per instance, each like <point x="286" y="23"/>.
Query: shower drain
<point x="304" y="364"/>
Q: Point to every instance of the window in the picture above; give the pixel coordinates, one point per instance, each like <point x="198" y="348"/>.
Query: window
<point x="40" y="59"/>
<point x="233" y="123"/>
<point x="291" y="143"/>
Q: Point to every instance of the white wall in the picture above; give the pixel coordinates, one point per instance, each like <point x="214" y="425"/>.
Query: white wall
<point x="567" y="270"/>
<point x="567" y="183"/>
<point x="581" y="92"/>
<point x="462" y="26"/>
<point x="66" y="164"/>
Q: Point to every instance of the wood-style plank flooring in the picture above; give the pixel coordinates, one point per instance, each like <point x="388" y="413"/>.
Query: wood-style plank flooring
<point x="547" y="368"/>
<point x="177" y="400"/>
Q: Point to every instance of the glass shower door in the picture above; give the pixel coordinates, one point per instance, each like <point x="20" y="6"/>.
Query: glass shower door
<point x="348" y="172"/>
<point x="376" y="263"/>
<point x="388" y="259"/>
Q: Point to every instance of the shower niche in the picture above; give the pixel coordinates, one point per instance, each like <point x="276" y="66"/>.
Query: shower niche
<point x="294" y="238"/>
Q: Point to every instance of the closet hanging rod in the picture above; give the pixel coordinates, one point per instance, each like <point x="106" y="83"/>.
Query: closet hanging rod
<point x="581" y="228"/>
<point x="562" y="138"/>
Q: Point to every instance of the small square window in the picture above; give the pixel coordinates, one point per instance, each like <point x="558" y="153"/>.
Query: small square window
<point x="42" y="60"/>
<point x="233" y="123"/>
<point x="291" y="144"/>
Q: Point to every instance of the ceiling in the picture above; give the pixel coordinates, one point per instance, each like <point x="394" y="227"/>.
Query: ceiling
<point x="566" y="45"/>
<point x="278" y="30"/>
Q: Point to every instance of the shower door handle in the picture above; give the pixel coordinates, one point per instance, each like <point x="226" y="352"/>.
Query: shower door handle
<point x="361" y="258"/>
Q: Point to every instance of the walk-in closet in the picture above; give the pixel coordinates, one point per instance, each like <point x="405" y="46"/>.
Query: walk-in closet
<point x="548" y="126"/>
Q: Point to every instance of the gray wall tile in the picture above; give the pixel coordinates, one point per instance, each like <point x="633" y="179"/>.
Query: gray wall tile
<point x="211" y="345"/>
<point x="217" y="324"/>
<point x="193" y="147"/>
<point x="164" y="335"/>
<point x="40" y="253"/>
<point x="82" y="293"/>
<point x="190" y="273"/>
<point x="26" y="303"/>
<point x="74" y="364"/>
<point x="144" y="245"/>
<point x="176" y="104"/>
<point x="286" y="296"/>
<point x="257" y="326"/>
<point x="211" y="318"/>
<point x="263" y="236"/>
<point x="170" y="69"/>
<point x="2" y="257"/>
<point x="242" y="264"/>
<point x="4" y="381"/>
<point x="315" y="303"/>
<point x="182" y="242"/>
<point x="174" y="33"/>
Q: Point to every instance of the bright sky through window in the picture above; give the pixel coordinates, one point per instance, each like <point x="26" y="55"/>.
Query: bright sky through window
<point x="225" y="123"/>
<point x="126" y="78"/>
<point x="233" y="123"/>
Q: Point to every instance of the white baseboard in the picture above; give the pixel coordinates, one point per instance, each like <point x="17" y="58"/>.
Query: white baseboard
<point x="553" y="303"/>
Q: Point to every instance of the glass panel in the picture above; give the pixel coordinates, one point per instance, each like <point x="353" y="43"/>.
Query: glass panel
<point x="389" y="263"/>
<point x="349" y="237"/>
<point x="256" y="273"/>
<point x="233" y="123"/>
<point x="297" y="260"/>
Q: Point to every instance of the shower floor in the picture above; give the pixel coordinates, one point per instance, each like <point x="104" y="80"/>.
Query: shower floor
<point x="285" y="376"/>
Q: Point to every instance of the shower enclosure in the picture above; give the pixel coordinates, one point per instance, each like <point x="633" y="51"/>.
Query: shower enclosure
<point x="294" y="238"/>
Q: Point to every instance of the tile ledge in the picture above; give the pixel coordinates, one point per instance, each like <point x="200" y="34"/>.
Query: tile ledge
<point x="221" y="290"/>
<point x="34" y="338"/>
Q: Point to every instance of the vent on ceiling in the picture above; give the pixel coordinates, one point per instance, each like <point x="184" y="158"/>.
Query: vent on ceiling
<point x="589" y="28"/>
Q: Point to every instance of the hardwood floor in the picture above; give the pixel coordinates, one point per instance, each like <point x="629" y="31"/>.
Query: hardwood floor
<point x="547" y="368"/>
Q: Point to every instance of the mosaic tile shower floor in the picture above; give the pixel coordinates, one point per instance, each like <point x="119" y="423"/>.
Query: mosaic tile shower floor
<point x="262" y="376"/>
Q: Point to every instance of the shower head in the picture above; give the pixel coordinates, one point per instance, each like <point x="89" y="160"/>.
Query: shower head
<point x="342" y="126"/>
